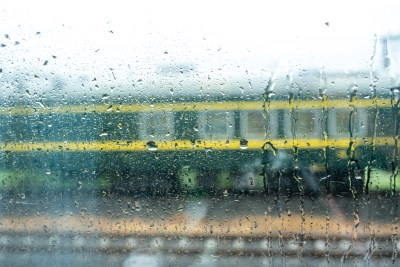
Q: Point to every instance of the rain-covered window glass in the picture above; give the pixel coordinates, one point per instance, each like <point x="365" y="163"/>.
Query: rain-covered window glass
<point x="201" y="133"/>
<point x="217" y="124"/>
<point x="253" y="124"/>
<point x="156" y="125"/>
<point x="342" y="121"/>
<point x="306" y="123"/>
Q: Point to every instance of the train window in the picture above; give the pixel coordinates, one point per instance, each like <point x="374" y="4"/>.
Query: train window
<point x="17" y="128"/>
<point x="339" y="123"/>
<point x="384" y="122"/>
<point x="253" y="124"/>
<point x="156" y="125"/>
<point x="186" y="125"/>
<point x="216" y="125"/>
<point x="119" y="126"/>
<point x="305" y="123"/>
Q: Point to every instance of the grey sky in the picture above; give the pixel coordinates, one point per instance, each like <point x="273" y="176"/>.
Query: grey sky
<point x="90" y="37"/>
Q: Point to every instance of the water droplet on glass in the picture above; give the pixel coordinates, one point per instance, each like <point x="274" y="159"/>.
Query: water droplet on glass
<point x="225" y="193"/>
<point x="244" y="143"/>
<point x="137" y="206"/>
<point x="48" y="172"/>
<point x="105" y="96"/>
<point x="103" y="134"/>
<point x="152" y="146"/>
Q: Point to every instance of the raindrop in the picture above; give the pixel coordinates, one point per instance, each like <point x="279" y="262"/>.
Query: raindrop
<point x="244" y="143"/>
<point x="137" y="206"/>
<point x="152" y="146"/>
<point x="48" y="172"/>
<point x="103" y="134"/>
<point x="105" y="96"/>
<point x="225" y="193"/>
<point x="180" y="207"/>
<point x="352" y="91"/>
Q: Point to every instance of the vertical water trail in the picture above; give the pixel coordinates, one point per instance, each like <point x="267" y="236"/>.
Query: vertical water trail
<point x="324" y="133"/>
<point x="352" y="165"/>
<point x="394" y="242"/>
<point x="267" y="147"/>
<point x="395" y="101"/>
<point x="268" y="93"/>
<point x="294" y="116"/>
<point x="375" y="112"/>
<point x="373" y="82"/>
<point x="327" y="221"/>
<point x="294" y="96"/>
<point x="324" y="122"/>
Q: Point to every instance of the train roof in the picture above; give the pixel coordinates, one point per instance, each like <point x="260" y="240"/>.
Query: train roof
<point x="185" y="83"/>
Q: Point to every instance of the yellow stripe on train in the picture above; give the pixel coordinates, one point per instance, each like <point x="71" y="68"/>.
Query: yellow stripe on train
<point x="191" y="106"/>
<point x="180" y="145"/>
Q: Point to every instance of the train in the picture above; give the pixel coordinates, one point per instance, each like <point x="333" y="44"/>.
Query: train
<point x="181" y="130"/>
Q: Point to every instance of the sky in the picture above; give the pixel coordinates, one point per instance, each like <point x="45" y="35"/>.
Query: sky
<point x="220" y="37"/>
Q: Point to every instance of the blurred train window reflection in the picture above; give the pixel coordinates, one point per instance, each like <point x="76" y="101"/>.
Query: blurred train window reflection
<point x="156" y="125"/>
<point x="253" y="124"/>
<point x="304" y="123"/>
<point x="216" y="124"/>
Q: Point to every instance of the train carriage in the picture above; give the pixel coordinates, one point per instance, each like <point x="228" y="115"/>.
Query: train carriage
<point x="260" y="135"/>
